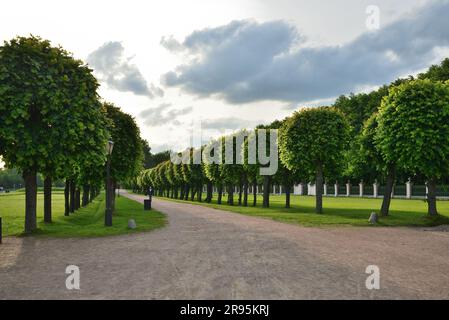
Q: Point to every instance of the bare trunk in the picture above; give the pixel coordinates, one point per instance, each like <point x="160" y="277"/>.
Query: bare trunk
<point x="30" y="201"/>
<point x="431" y="197"/>
<point x="209" y="192"/>
<point x="92" y="193"/>
<point x="85" y="195"/>
<point x="181" y="196"/>
<point x="199" y="197"/>
<point x="388" y="190"/>
<point x="72" y="196"/>
<point x="254" y="194"/>
<point x="220" y="194"/>
<point x="78" y="198"/>
<point x="319" y="189"/>
<point x="266" y="191"/>
<point x="231" y="195"/>
<point x="240" y="194"/>
<point x="287" y="196"/>
<point x="66" y="197"/>
<point x="186" y="195"/>
<point x="245" y="194"/>
<point x="47" y="199"/>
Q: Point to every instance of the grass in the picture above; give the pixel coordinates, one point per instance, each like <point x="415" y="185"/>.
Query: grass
<point x="85" y="222"/>
<point x="338" y="211"/>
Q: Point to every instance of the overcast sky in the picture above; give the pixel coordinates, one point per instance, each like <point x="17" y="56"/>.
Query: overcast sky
<point x="235" y="63"/>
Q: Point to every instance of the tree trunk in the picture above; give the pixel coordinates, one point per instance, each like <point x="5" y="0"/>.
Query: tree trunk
<point x="220" y="193"/>
<point x="78" y="198"/>
<point x="186" y="195"/>
<point x="181" y="196"/>
<point x="199" y="198"/>
<point x="388" y="190"/>
<point x="47" y="199"/>
<point x="192" y="193"/>
<point x="431" y="197"/>
<point x="287" y="195"/>
<point x="91" y="193"/>
<point x="245" y="194"/>
<point x="66" y="197"/>
<point x="72" y="196"/>
<point x="85" y="195"/>
<point x="254" y="193"/>
<point x="209" y="192"/>
<point x="240" y="194"/>
<point x="266" y="191"/>
<point x="319" y="189"/>
<point x="30" y="200"/>
<point x="231" y="195"/>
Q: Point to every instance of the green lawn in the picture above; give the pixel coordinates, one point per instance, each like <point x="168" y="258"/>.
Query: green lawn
<point x="86" y="222"/>
<point x="338" y="211"/>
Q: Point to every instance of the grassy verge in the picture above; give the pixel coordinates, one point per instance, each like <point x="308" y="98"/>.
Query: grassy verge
<point x="86" y="222"/>
<point x="338" y="211"/>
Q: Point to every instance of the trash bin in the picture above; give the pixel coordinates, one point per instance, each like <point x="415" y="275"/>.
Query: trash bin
<point x="146" y="204"/>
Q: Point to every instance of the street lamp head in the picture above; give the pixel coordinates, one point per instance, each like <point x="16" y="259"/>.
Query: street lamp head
<point x="109" y="147"/>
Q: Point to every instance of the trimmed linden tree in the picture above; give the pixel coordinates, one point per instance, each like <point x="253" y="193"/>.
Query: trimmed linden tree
<point x="413" y="131"/>
<point x="312" y="141"/>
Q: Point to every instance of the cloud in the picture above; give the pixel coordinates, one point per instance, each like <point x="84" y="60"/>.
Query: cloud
<point x="230" y="123"/>
<point x="155" y="148"/>
<point x="246" y="61"/>
<point x="163" y="114"/>
<point x="119" y="73"/>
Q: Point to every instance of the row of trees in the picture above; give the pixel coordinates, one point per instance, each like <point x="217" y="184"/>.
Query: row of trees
<point x="53" y="122"/>
<point x="400" y="130"/>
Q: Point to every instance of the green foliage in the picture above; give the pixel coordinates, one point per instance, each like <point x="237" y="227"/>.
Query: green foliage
<point x="213" y="171"/>
<point x="437" y="72"/>
<point x="359" y="107"/>
<point x="414" y="127"/>
<point x="49" y="108"/>
<point x="152" y="160"/>
<point x="314" y="137"/>
<point x="367" y="162"/>
<point x="127" y="154"/>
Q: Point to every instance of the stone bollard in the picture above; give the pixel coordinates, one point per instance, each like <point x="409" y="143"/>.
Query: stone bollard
<point x="373" y="218"/>
<point x="132" y="224"/>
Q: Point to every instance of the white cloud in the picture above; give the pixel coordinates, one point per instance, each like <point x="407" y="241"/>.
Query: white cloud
<point x="118" y="72"/>
<point x="245" y="61"/>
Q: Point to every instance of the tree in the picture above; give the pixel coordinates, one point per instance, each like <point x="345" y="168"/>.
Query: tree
<point x="155" y="159"/>
<point x="284" y="177"/>
<point x="367" y="161"/>
<point x="38" y="110"/>
<point x="313" y="141"/>
<point x="437" y="72"/>
<point x="212" y="167"/>
<point x="127" y="154"/>
<point x="414" y="131"/>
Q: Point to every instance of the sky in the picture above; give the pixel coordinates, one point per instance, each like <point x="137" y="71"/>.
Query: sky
<point x="226" y="65"/>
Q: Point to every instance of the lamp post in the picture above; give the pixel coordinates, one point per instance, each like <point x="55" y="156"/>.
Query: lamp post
<point x="108" y="211"/>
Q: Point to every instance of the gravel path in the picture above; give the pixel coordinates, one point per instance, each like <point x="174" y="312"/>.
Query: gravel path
<point x="212" y="254"/>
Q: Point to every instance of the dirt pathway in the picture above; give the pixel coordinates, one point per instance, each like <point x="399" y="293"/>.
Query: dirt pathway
<point x="205" y="253"/>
